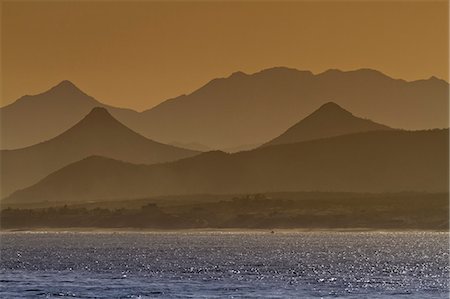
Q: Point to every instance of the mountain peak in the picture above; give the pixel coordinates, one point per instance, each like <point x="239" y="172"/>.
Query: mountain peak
<point x="65" y="89"/>
<point x="329" y="105"/>
<point x="98" y="117"/>
<point x="98" y="113"/>
<point x="97" y="120"/>
<point x="330" y="108"/>
<point x="66" y="85"/>
<point x="328" y="121"/>
<point x="238" y="74"/>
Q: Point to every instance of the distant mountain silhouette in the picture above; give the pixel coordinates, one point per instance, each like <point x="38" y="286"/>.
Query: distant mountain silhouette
<point x="36" y="118"/>
<point x="241" y="109"/>
<point x="378" y="161"/>
<point x="96" y="134"/>
<point x="327" y="121"/>
<point x="252" y="109"/>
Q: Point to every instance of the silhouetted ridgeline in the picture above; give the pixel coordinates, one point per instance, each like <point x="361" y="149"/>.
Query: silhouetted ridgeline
<point x="328" y="121"/>
<point x="286" y="210"/>
<point x="241" y="109"/>
<point x="379" y="161"/>
<point x="98" y="133"/>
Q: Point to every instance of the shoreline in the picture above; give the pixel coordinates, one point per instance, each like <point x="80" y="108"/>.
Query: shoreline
<point x="216" y="230"/>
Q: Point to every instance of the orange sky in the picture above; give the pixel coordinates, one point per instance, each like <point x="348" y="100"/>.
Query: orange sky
<point x="137" y="54"/>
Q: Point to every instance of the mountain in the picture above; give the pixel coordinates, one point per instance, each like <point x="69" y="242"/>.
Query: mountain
<point x="98" y="133"/>
<point x="327" y="121"/>
<point x="240" y="109"/>
<point x="253" y="108"/>
<point x="36" y="118"/>
<point x="377" y="161"/>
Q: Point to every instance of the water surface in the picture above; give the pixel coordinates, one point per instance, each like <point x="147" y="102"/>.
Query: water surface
<point x="227" y="264"/>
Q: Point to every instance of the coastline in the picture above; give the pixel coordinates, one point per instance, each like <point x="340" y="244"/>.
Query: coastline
<point x="216" y="230"/>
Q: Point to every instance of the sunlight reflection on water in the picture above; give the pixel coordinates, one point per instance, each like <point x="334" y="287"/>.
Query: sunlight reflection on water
<point x="231" y="264"/>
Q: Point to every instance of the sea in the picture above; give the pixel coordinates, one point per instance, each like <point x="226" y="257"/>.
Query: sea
<point x="233" y="264"/>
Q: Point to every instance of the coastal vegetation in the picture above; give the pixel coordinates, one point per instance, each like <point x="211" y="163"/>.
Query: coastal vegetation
<point x="306" y="210"/>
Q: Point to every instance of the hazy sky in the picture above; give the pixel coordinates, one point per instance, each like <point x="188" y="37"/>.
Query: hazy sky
<point x="137" y="54"/>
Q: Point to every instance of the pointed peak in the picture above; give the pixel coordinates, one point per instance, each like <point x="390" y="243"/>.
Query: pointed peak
<point x="65" y="88"/>
<point x="328" y="121"/>
<point x="99" y="111"/>
<point x="238" y="74"/>
<point x="436" y="79"/>
<point x="98" y="115"/>
<point x="65" y="85"/>
<point x="330" y="110"/>
<point x="331" y="106"/>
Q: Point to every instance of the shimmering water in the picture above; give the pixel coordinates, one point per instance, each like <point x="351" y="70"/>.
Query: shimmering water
<point x="231" y="265"/>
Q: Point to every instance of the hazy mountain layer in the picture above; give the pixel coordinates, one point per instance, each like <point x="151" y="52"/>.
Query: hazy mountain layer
<point x="327" y="121"/>
<point x="252" y="109"/>
<point x="238" y="110"/>
<point x="379" y="161"/>
<point x="96" y="134"/>
<point x="36" y="118"/>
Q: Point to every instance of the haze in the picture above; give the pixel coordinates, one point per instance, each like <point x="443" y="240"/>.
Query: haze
<point x="138" y="54"/>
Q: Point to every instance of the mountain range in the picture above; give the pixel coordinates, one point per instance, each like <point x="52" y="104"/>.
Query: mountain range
<point x="377" y="161"/>
<point x="242" y="109"/>
<point x="279" y="127"/>
<point x="98" y="133"/>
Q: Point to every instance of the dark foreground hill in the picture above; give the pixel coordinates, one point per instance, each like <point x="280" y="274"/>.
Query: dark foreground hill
<point x="379" y="161"/>
<point x="96" y="134"/>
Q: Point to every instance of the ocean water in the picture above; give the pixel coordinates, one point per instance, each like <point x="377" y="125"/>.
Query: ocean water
<point x="224" y="265"/>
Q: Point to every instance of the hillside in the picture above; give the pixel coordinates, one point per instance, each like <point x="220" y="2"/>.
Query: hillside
<point x="328" y="121"/>
<point x="98" y="133"/>
<point x="379" y="161"/>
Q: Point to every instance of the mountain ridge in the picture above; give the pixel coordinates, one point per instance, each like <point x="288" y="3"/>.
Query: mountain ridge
<point x="97" y="133"/>
<point x="281" y="96"/>
<point x="244" y="108"/>
<point x="376" y="161"/>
